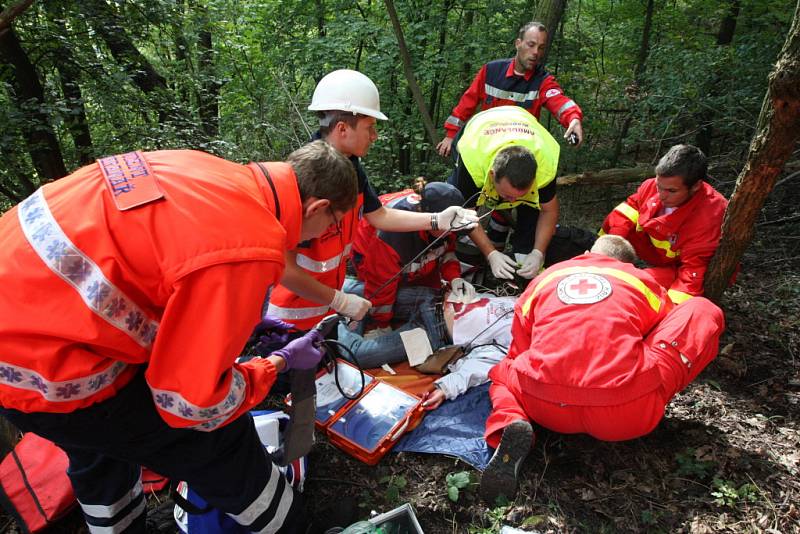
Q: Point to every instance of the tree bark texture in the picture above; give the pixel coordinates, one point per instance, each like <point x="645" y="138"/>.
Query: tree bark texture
<point x="776" y="137"/>
<point x="409" y="72"/>
<point x="28" y="96"/>
<point x="549" y="13"/>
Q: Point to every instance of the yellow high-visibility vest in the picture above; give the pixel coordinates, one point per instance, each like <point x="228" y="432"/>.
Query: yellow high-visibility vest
<point x="489" y="132"/>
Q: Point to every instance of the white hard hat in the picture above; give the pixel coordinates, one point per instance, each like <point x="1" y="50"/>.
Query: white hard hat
<point x="347" y="90"/>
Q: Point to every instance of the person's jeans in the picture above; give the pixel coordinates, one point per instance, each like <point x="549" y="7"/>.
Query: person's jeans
<point x="415" y="305"/>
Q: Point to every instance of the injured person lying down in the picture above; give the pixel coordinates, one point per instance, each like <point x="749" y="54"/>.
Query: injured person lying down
<point x="465" y="341"/>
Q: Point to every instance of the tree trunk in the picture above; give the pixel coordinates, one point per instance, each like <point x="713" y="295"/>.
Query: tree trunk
<point x="706" y="116"/>
<point x="8" y="15"/>
<point x="549" y="13"/>
<point x="210" y="86"/>
<point x="68" y="75"/>
<point x="608" y="176"/>
<point x="28" y="95"/>
<point x="409" y="72"/>
<point x="111" y="29"/>
<point x="776" y="136"/>
<point x="638" y="71"/>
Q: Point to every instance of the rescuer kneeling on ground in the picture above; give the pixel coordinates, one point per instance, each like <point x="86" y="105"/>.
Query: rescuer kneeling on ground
<point x="597" y="348"/>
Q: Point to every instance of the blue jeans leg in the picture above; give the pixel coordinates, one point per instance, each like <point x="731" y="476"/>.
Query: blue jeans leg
<point x="415" y="306"/>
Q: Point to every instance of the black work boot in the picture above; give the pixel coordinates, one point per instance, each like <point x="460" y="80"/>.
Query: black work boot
<point x="500" y="476"/>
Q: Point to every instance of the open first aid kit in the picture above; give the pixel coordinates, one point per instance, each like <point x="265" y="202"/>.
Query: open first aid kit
<point x="369" y="423"/>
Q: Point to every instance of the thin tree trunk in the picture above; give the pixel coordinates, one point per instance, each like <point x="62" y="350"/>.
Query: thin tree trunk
<point x="638" y="72"/>
<point x="111" y="29"/>
<point x="706" y="117"/>
<point x="210" y="86"/>
<point x="69" y="77"/>
<point x="549" y="13"/>
<point x="776" y="136"/>
<point x="409" y="72"/>
<point x="28" y="96"/>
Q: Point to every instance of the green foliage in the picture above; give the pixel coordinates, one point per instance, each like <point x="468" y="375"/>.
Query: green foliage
<point x="726" y="493"/>
<point x="456" y="482"/>
<point x="266" y="57"/>
<point x="690" y="465"/>
<point x="493" y="521"/>
<point x="394" y="484"/>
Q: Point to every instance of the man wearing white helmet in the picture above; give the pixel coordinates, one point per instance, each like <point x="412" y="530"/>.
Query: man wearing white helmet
<point x="348" y="106"/>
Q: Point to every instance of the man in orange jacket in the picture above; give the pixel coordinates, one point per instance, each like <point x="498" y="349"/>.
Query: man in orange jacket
<point x="597" y="348"/>
<point x="348" y="106"/>
<point x="130" y="287"/>
<point x="673" y="221"/>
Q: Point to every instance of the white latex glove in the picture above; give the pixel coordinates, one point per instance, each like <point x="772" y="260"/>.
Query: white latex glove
<point x="377" y="332"/>
<point x="502" y="266"/>
<point x="457" y="218"/>
<point x="461" y="291"/>
<point x="350" y="305"/>
<point x="531" y="264"/>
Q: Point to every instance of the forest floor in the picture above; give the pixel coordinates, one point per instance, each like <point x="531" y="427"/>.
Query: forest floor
<point x="725" y="458"/>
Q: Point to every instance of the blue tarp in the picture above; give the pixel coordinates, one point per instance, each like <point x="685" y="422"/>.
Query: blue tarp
<point x="454" y="429"/>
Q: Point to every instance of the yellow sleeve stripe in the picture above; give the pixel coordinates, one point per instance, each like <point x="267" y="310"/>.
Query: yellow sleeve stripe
<point x="652" y="298"/>
<point x="678" y="296"/>
<point x="665" y="246"/>
<point x="628" y="211"/>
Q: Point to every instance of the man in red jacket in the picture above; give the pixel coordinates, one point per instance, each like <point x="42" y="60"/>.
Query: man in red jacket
<point x="673" y="221"/>
<point x="130" y="287"/>
<point x="597" y="348"/>
<point x="518" y="81"/>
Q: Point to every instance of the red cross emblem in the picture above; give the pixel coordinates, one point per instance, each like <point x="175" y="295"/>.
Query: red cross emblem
<point x="583" y="286"/>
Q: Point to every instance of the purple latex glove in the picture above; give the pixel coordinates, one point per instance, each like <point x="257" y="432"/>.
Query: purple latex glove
<point x="303" y="352"/>
<point x="272" y="331"/>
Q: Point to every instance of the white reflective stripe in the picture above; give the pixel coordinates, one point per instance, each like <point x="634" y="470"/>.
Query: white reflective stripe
<point x="564" y="108"/>
<point x="67" y="261"/>
<point x="497" y="226"/>
<point x="509" y="95"/>
<point x="107" y="511"/>
<point x="432" y="255"/>
<point x="455" y="121"/>
<point x="122" y="524"/>
<point x="467" y="240"/>
<point x="383" y="309"/>
<point x="59" y="391"/>
<point x="211" y="416"/>
<point x="322" y="266"/>
<point x="296" y="313"/>
<point x="450" y="256"/>
<point x="262" y="503"/>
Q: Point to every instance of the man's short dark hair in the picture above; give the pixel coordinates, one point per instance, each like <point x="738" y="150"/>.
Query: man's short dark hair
<point x="517" y="165"/>
<point x="686" y="161"/>
<point x="533" y="24"/>
<point x="329" y="119"/>
<point x="325" y="173"/>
